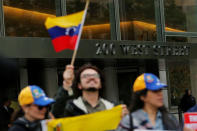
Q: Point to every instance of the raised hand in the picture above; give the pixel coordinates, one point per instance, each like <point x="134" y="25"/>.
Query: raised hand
<point x="68" y="77"/>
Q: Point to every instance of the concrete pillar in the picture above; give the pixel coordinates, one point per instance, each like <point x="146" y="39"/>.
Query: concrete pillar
<point x="50" y="81"/>
<point x="193" y="76"/>
<point x="142" y="66"/>
<point x="23" y="77"/>
<point x="191" y="20"/>
<point x="163" y="78"/>
<point x="111" y="84"/>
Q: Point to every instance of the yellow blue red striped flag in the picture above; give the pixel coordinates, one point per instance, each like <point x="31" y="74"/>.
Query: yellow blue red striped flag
<point x="65" y="30"/>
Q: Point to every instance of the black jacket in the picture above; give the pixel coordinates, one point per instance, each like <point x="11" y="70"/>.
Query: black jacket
<point x="22" y="124"/>
<point x="72" y="110"/>
<point x="5" y="116"/>
<point x="76" y="107"/>
<point x="187" y="101"/>
<point x="65" y="105"/>
<point x="61" y="99"/>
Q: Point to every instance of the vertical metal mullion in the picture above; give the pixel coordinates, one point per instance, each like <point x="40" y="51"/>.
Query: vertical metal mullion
<point x="63" y="7"/>
<point x="58" y="7"/>
<point x="115" y="34"/>
<point x="117" y="19"/>
<point x="161" y="37"/>
<point x="112" y="20"/>
<point x="2" y="24"/>
<point x="160" y="20"/>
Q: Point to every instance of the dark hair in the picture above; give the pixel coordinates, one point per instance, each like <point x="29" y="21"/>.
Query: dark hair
<point x="77" y="79"/>
<point x="137" y="103"/>
<point x="4" y="100"/>
<point x="187" y="92"/>
<point x="18" y="113"/>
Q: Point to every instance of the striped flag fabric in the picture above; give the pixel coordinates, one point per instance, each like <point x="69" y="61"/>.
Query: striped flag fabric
<point x="65" y="30"/>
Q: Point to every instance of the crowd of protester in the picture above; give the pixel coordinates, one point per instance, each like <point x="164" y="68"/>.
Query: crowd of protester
<point x="83" y="94"/>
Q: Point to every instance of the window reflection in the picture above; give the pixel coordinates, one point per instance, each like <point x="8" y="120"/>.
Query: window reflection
<point x="135" y="11"/>
<point x="29" y="17"/>
<point x="179" y="77"/>
<point x="25" y="18"/>
<point x="181" y="14"/>
<point x="181" y="39"/>
<point x="176" y="39"/>
<point x="97" y="25"/>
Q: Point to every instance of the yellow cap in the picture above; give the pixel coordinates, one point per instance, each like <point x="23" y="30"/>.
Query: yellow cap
<point x="147" y="81"/>
<point x="139" y="84"/>
<point x="34" y="94"/>
<point x="25" y="97"/>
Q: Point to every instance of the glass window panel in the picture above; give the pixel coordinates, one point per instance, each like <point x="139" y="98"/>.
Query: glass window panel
<point x="137" y="20"/>
<point x="179" y="79"/>
<point x="127" y="72"/>
<point x="181" y="39"/>
<point x="176" y="39"/>
<point x="180" y="15"/>
<point x="97" y="25"/>
<point x="125" y="83"/>
<point x="25" y="18"/>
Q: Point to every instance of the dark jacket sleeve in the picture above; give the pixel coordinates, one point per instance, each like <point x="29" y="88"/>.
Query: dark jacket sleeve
<point x="61" y="98"/>
<point x="72" y="110"/>
<point x="17" y="128"/>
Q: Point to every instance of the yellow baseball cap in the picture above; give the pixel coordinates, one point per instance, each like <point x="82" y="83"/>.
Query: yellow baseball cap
<point x="33" y="94"/>
<point x="147" y="81"/>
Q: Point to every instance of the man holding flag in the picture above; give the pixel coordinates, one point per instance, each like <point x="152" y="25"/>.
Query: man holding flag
<point x="87" y="86"/>
<point x="65" y="32"/>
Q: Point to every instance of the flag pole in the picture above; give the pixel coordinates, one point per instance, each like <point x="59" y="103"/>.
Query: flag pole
<point x="80" y="31"/>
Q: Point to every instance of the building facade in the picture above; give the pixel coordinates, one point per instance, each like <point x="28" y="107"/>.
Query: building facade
<point x="122" y="37"/>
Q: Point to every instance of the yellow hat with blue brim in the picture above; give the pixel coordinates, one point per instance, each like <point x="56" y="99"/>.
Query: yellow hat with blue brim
<point x="33" y="94"/>
<point x="147" y="81"/>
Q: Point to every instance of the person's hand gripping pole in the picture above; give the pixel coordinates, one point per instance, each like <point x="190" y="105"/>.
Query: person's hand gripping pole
<point x="68" y="77"/>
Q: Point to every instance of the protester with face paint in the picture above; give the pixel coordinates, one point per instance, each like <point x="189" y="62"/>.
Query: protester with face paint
<point x="34" y="104"/>
<point x="147" y="108"/>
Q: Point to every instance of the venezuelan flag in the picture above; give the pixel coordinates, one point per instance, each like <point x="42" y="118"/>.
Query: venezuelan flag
<point x="100" y="121"/>
<point x="64" y="30"/>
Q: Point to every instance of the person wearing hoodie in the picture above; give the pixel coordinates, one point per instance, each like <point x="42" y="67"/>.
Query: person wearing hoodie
<point x="34" y="104"/>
